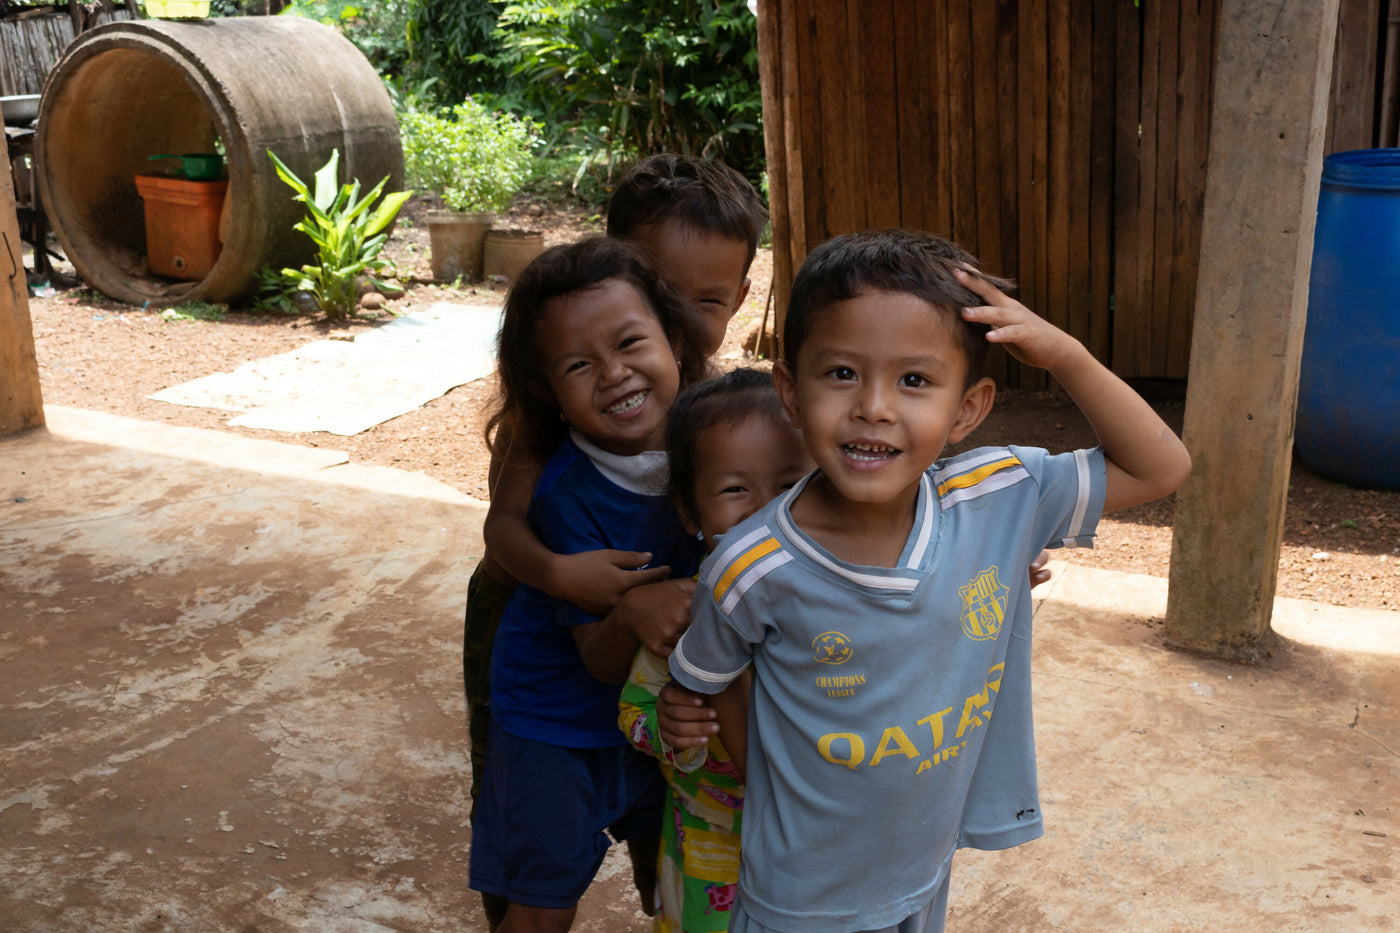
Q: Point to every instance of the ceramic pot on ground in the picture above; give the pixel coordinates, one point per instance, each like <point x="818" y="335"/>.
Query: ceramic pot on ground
<point x="458" y="242"/>
<point x="508" y="252"/>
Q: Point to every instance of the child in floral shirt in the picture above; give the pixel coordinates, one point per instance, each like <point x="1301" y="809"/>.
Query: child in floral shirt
<point x="731" y="449"/>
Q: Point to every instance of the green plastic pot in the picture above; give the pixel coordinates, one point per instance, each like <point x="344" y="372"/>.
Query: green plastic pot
<point x="197" y="166"/>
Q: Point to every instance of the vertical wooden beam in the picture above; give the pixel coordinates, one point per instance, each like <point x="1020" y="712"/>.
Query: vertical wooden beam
<point x="816" y="227"/>
<point x="1164" y="187"/>
<point x="962" y="154"/>
<point x="1080" y="188"/>
<point x="1390" y="80"/>
<point x="1351" y="120"/>
<point x="1058" y="195"/>
<point x="1188" y="191"/>
<point x="792" y="85"/>
<point x="1008" y="139"/>
<point x="21" y="406"/>
<point x="880" y="143"/>
<point x="985" y="140"/>
<point x="770" y="81"/>
<point x="1105" y="67"/>
<point x="1272" y="76"/>
<point x="1033" y="167"/>
<point x="915" y="143"/>
<point x="1127" y="199"/>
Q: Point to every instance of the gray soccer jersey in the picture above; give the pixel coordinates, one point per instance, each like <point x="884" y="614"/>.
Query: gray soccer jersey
<point x="874" y="748"/>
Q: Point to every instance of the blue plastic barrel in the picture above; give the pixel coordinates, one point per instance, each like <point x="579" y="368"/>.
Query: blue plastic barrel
<point x="1348" y="425"/>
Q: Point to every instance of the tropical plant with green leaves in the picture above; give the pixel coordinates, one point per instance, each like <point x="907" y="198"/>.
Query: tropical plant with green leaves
<point x="347" y="230"/>
<point x="611" y="79"/>
<point x="378" y="28"/>
<point x="476" y="159"/>
<point x="635" y="77"/>
<point x="456" y="42"/>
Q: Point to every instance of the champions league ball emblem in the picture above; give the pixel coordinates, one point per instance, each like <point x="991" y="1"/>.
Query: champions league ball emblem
<point x="832" y="648"/>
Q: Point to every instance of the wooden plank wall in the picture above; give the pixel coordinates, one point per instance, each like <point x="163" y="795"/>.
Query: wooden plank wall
<point x="1064" y="142"/>
<point x="991" y="122"/>
<point x="1162" y="131"/>
<point x="30" y="44"/>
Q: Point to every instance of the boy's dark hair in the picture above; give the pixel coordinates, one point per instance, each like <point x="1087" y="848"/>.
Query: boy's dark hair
<point x="918" y="264"/>
<point x="523" y="398"/>
<point x="728" y="399"/>
<point x="702" y="193"/>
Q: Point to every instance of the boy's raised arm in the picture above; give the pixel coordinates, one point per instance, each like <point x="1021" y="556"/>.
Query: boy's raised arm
<point x="1145" y="458"/>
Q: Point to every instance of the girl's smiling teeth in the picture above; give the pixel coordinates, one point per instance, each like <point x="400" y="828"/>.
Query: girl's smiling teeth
<point x="628" y="404"/>
<point x="866" y="450"/>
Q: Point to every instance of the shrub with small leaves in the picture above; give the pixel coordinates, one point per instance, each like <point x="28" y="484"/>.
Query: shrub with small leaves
<point x="474" y="158"/>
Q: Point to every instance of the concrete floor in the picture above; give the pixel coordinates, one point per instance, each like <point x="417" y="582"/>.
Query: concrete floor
<point x="231" y="700"/>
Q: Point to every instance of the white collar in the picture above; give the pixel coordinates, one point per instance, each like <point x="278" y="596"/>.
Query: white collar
<point x="646" y="473"/>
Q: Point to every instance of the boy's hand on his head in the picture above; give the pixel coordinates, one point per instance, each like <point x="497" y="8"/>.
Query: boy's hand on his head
<point x="657" y="614"/>
<point x="596" y="580"/>
<point x="1144" y="458"/>
<point x="1026" y="336"/>
<point x="683" y="718"/>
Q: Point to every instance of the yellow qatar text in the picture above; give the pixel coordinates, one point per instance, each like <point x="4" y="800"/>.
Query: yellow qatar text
<point x="848" y="748"/>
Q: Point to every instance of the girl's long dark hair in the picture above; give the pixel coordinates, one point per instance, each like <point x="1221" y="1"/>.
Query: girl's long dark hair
<point x="524" y="404"/>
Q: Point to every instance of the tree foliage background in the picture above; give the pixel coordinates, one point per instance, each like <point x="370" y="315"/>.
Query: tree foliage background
<point x="609" y="80"/>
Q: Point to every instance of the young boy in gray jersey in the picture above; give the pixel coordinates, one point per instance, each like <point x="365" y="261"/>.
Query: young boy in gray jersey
<point x="882" y="601"/>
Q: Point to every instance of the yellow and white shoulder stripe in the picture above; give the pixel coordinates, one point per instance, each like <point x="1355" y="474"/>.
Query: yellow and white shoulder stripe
<point x="742" y="564"/>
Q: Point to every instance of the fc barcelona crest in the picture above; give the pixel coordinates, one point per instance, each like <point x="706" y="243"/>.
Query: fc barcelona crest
<point x="983" y="605"/>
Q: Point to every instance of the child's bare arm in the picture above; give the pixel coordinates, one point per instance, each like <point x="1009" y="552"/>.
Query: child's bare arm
<point x="592" y="580"/>
<point x="654" y="616"/>
<point x="684" y="718"/>
<point x="607" y="649"/>
<point x="732" y="711"/>
<point x="657" y="614"/>
<point x="1145" y="458"/>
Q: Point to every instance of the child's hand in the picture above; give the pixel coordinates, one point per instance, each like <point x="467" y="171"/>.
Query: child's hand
<point x="683" y="718"/>
<point x="595" y="580"/>
<point x="1039" y="572"/>
<point x="1144" y="459"/>
<point x="657" y="614"/>
<point x="1026" y="336"/>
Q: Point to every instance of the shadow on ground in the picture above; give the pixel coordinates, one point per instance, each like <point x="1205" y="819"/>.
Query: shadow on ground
<point x="232" y="701"/>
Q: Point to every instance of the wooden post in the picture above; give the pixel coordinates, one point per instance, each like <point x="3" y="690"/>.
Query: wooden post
<point x="774" y="93"/>
<point x="21" y="407"/>
<point x="1273" y="70"/>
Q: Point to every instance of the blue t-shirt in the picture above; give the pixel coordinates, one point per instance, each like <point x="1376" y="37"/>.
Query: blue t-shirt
<point x="540" y="688"/>
<point x="874" y="751"/>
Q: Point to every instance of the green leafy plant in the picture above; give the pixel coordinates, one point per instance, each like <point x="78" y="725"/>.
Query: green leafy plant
<point x="378" y="28"/>
<point x="348" y="235"/>
<point x="474" y="158"/>
<point x="624" y="78"/>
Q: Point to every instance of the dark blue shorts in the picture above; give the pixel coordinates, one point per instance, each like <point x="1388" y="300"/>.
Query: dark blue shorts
<point x="539" y="835"/>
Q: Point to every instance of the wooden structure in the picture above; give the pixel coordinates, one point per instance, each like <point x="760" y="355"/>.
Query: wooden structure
<point x="1069" y="143"/>
<point x="1064" y="142"/>
<point x="21" y="406"/>
<point x="1275" y="59"/>
<point x="33" y="40"/>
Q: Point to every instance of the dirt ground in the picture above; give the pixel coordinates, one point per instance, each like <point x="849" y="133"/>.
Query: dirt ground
<point x="1341" y="545"/>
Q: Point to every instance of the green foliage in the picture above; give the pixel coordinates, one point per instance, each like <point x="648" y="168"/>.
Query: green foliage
<point x="195" y="311"/>
<point x="456" y="43"/>
<point x="476" y="159"/>
<point x="276" y="295"/>
<point x="378" y="28"/>
<point x="347" y="234"/>
<point x="614" y="79"/>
